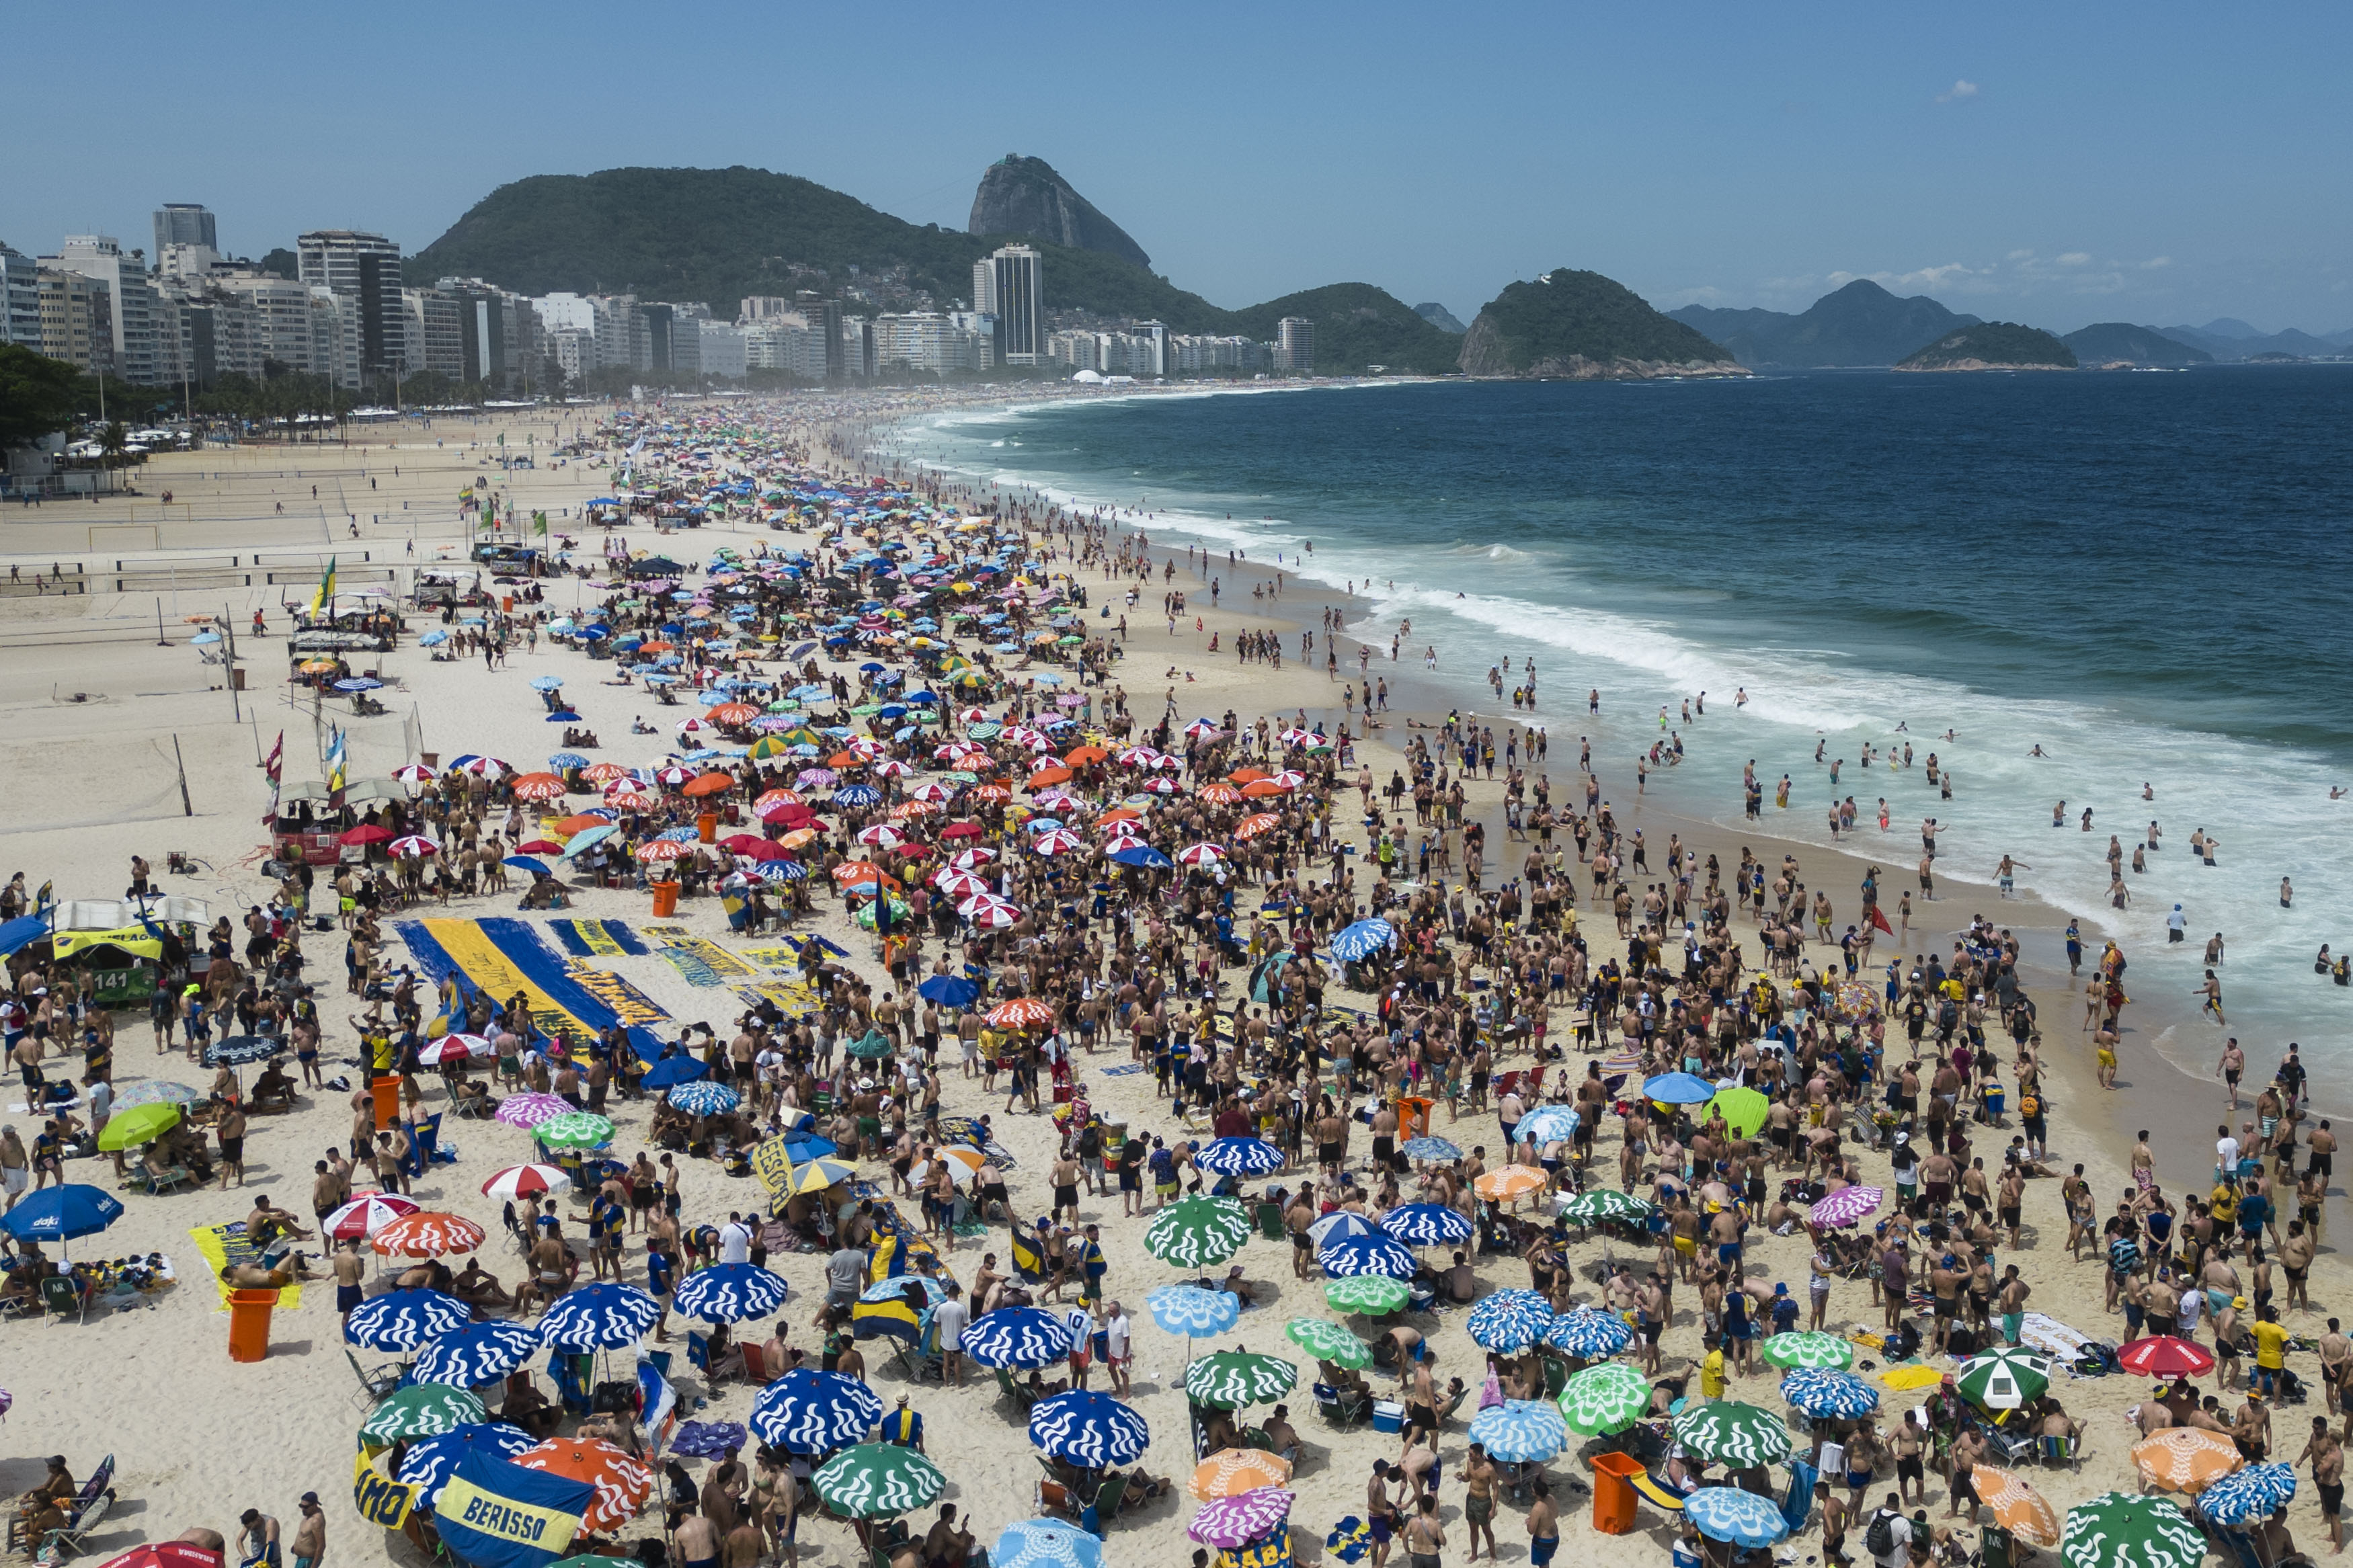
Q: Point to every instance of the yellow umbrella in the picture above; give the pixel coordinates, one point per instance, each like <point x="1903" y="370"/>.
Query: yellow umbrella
<point x="818" y="1174"/>
<point x="1510" y="1181"/>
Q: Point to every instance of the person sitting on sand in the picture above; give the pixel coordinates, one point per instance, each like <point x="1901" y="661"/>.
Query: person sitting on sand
<point x="268" y="1222"/>
<point x="527" y="1407"/>
<point x="479" y="1287"/>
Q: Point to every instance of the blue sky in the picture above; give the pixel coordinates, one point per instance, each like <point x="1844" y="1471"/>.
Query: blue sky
<point x="2056" y="164"/>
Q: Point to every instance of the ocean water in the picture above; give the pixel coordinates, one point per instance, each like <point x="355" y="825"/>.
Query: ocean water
<point x="2145" y="574"/>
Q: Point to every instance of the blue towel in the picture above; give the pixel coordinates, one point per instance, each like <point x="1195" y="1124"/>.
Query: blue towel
<point x="1800" y="1504"/>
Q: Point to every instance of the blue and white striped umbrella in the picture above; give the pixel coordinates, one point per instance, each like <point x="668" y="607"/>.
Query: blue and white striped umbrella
<point x="1045" y="1543"/>
<point x="2249" y="1494"/>
<point x="1546" y="1124"/>
<point x="704" y="1098"/>
<point x="1361" y="940"/>
<point x="1727" y="1513"/>
<point x="1589" y="1333"/>
<point x="1091" y="1430"/>
<point x="1339" y="1225"/>
<point x="1437" y="1148"/>
<point x="1192" y="1312"/>
<point x="811" y="1412"/>
<point x="603" y="1316"/>
<point x="1426" y="1224"/>
<point x="1238" y="1157"/>
<point x="1017" y="1337"/>
<point x="406" y="1319"/>
<point x="478" y="1354"/>
<point x="1509" y="1320"/>
<point x="1520" y="1431"/>
<point x="730" y="1293"/>
<point x="1821" y="1391"/>
<point x="429" y="1462"/>
<point x="1374" y="1254"/>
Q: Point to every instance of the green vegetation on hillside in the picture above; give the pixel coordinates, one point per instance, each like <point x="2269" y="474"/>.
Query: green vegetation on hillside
<point x="1994" y="345"/>
<point x="1358" y="325"/>
<point x="1568" y="316"/>
<point x="2114" y="342"/>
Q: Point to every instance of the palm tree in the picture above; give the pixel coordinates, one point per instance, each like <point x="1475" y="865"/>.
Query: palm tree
<point x="112" y="442"/>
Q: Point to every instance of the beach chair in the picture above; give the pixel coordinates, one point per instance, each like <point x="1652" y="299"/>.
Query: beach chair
<point x="2067" y="1451"/>
<point x="63" y="1297"/>
<point x="373" y="1383"/>
<point x="74" y="1537"/>
<point x="755" y="1365"/>
<point x="887" y="1537"/>
<point x="1022" y="1398"/>
<point x="2241" y="1546"/>
<point x="698" y="1353"/>
<point x="176" y="1176"/>
<point x="1051" y="1498"/>
<point x="1652" y="1488"/>
<point x="1270" y="1222"/>
<point x="1342" y="1407"/>
<point x="427" y="1137"/>
<point x="1996" y="1548"/>
<point x="1096" y="1517"/>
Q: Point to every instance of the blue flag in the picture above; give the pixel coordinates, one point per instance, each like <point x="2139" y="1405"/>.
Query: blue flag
<point x="497" y="1514"/>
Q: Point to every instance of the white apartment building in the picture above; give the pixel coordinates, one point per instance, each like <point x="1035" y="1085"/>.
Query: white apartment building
<point x="364" y="268"/>
<point x="724" y="350"/>
<point x="20" y="299"/>
<point x="786" y="340"/>
<point x="926" y="341"/>
<point x="102" y="259"/>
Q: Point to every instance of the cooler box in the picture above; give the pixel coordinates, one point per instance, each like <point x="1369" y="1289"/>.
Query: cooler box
<point x="1389" y="1415"/>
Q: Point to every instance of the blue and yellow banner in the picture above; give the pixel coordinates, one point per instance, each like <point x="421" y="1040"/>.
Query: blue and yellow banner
<point x="496" y="1514"/>
<point x="380" y="1500"/>
<point x="502" y="957"/>
<point x="597" y="939"/>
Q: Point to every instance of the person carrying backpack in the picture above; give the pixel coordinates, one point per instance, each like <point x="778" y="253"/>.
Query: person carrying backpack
<point x="1888" y="1536"/>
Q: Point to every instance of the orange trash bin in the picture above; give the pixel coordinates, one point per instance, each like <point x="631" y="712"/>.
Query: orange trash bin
<point x="665" y="899"/>
<point x="249" y="1323"/>
<point x="1413" y="1117"/>
<point x="1613" y="1493"/>
<point x="387" y="1091"/>
<point x="706" y="827"/>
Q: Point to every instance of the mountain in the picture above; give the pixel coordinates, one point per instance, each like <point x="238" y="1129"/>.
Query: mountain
<point x="1357" y="326"/>
<point x="2119" y="342"/>
<point x="1861" y="325"/>
<point x="2234" y="345"/>
<point x="1584" y="327"/>
<point x="1993" y="345"/>
<point x="2230" y="327"/>
<point x="1439" y="316"/>
<point x="1025" y="196"/>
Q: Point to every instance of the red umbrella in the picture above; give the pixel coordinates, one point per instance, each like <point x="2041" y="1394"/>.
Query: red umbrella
<point x="960" y="830"/>
<point x="765" y="851"/>
<point x="1021" y="1013"/>
<point x="539" y="846"/>
<point x="368" y="834"/>
<point x="2165" y="1355"/>
<point x="743" y="843"/>
<point x="165" y="1554"/>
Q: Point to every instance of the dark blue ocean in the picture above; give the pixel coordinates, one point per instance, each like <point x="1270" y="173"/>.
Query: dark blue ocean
<point x="2146" y="575"/>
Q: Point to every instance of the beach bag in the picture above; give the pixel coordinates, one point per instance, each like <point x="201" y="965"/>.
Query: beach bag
<point x="1879" y="1537"/>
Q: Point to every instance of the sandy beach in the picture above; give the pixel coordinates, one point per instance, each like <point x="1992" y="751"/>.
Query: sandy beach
<point x="121" y="718"/>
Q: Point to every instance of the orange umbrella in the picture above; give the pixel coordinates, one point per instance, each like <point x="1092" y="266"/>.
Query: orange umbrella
<point x="709" y="783"/>
<point x="2186" y="1458"/>
<point x="622" y="1484"/>
<point x="845" y="760"/>
<point x="660" y="644"/>
<point x="1229" y="1472"/>
<point x="778" y="798"/>
<point x="604" y="772"/>
<point x="1219" y="793"/>
<point x="1245" y="775"/>
<point x="1509" y="1182"/>
<point x="1081" y="756"/>
<point x="571" y="825"/>
<point x="631" y="800"/>
<point x="2017" y="1507"/>
<point x="797" y="836"/>
<point x="538" y="787"/>
<point x="662" y="849"/>
<point x="1259" y="789"/>
<point x="993" y="791"/>
<point x="733" y="713"/>
<point x="1120" y="814"/>
<point x="910" y="808"/>
<point x="1045" y="776"/>
<point x="428" y="1234"/>
<point x="851" y="872"/>
<point x="1251" y="826"/>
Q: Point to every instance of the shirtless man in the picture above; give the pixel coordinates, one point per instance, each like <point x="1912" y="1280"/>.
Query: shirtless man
<point x="1544" y="1526"/>
<point x="1909" y="1442"/>
<point x="2326" y="1454"/>
<point x="1479" y="1483"/>
<point x="351" y="1274"/>
<point x="551" y="1270"/>
<point x="695" y="1542"/>
<point x="1424" y="1538"/>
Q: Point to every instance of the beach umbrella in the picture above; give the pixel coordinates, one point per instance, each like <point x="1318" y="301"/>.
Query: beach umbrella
<point x="528" y="1110"/>
<point x="61" y="1213"/>
<point x="1546" y="1124"/>
<point x="730" y="1293"/>
<point x="1727" y="1432"/>
<point x="2165" y="1355"/>
<point x="406" y="1321"/>
<point x="575" y="1130"/>
<point x="1509" y="1182"/>
<point x="893" y="1309"/>
<point x="428" y="1234"/>
<point x="1093" y="1431"/>
<point x="1329" y="1341"/>
<point x="876" y="1480"/>
<point x="2185" y="1458"/>
<point x="366" y="1213"/>
<point x="1520" y="1431"/>
<point x="428" y="1463"/>
<point x="131" y="1126"/>
<point x="1238" y="1157"/>
<point x="1378" y="1253"/>
<point x="1232" y="1379"/>
<point x="675" y="1069"/>
<point x="2017" y="1506"/>
<point x="1017" y="1337"/>
<point x="458" y="1047"/>
<point x="704" y="1099"/>
<point x="1678" y="1089"/>
<point x="1744" y="1110"/>
<point x="1589" y="1332"/>
<point x="1374" y="1295"/>
<point x="1602" y="1206"/>
<point x="1432" y="1148"/>
<point x="1021" y="1013"/>
<point x="1606" y="1397"/>
<point x="420" y="1410"/>
<point x="1426" y="1224"/>
<point x="1848" y="1205"/>
<point x="1233" y="1523"/>
<point x="811" y="1412"/>
<point x="1361" y="940"/>
<point x="2116" y="1530"/>
<point x="155" y="1092"/>
<point x="1809" y="1347"/>
<point x="2248" y="1495"/>
<point x="1742" y="1518"/>
<point x="2009" y="1378"/>
<point x="1230" y="1472"/>
<point x="1821" y="1391"/>
<point x="948" y="990"/>
<point x="525" y="1181"/>
<point x="816" y="1175"/>
<point x="1338" y="1225"/>
<point x="603" y="1316"/>
<point x="241" y="1051"/>
<point x="1039" y="1543"/>
<point x="623" y="1483"/>
<point x="1189" y="1311"/>
<point x="478" y="1354"/>
<point x="1195" y="1232"/>
<point x="1509" y="1320"/>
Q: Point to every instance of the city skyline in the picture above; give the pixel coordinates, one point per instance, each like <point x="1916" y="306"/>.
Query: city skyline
<point x="2013" y="163"/>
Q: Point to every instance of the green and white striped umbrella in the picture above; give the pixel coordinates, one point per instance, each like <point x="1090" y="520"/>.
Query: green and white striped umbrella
<point x="2116" y="1530"/>
<point x="1328" y="1341"/>
<point x="1193" y="1233"/>
<point x="1809" y="1347"/>
<point x="876" y="1480"/>
<point x="574" y="1130"/>
<point x="1605" y="1204"/>
<point x="2010" y="1378"/>
<point x="1606" y="1397"/>
<point x="1730" y="1433"/>
<point x="1232" y="1379"/>
<point x="420" y="1410"/>
<point x="1374" y="1295"/>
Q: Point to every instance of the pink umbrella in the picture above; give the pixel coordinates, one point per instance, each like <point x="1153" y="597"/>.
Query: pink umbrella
<point x="524" y="1181"/>
<point x="1235" y="1521"/>
<point x="366" y="1213"/>
<point x="935" y="794"/>
<point x="415" y="773"/>
<point x="1061" y="840"/>
<point x="1848" y="1205"/>
<point x="527" y="1110"/>
<point x="1163" y="784"/>
<point x="882" y="834"/>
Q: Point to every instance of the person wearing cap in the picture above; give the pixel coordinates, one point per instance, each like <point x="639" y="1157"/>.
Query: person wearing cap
<point x="310" y="1535"/>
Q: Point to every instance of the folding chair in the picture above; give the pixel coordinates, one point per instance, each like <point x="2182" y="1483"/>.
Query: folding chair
<point x="373" y="1383"/>
<point x="73" y="1539"/>
<point x="63" y="1298"/>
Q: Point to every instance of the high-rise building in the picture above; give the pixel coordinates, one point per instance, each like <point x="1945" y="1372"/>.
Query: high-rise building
<point x="1294" y="345"/>
<point x="436" y="337"/>
<point x="184" y="223"/>
<point x="760" y="308"/>
<point x="984" y="286"/>
<point x="722" y="349"/>
<point x="101" y="258"/>
<point x="788" y="342"/>
<point x="364" y="268"/>
<point x="1017" y="299"/>
<point x="20" y="299"/>
<point x="78" y="320"/>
